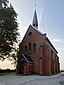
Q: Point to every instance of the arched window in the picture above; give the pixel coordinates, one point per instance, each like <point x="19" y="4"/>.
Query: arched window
<point x="30" y="46"/>
<point x="25" y="48"/>
<point x="34" y="47"/>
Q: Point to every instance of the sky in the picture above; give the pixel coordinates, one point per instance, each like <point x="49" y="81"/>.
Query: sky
<point x="50" y="15"/>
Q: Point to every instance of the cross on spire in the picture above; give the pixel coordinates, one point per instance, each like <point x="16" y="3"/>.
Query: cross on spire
<point x="35" y="6"/>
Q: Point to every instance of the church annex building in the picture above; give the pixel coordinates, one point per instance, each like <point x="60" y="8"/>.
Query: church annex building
<point x="36" y="53"/>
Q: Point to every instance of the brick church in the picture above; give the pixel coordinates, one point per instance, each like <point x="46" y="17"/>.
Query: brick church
<point x="36" y="53"/>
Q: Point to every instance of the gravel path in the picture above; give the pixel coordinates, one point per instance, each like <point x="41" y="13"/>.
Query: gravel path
<point x="31" y="80"/>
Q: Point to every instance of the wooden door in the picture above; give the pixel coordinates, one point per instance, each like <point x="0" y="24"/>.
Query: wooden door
<point x="22" y="67"/>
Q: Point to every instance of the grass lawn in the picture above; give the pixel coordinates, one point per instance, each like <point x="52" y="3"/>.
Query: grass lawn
<point x="6" y="73"/>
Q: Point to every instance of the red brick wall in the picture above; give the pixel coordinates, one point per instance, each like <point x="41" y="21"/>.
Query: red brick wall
<point x="48" y="64"/>
<point x="41" y="66"/>
<point x="29" y="69"/>
<point x="46" y="60"/>
<point x="17" y="68"/>
<point x="33" y="39"/>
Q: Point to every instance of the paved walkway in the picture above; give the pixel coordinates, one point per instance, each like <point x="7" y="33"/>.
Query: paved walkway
<point x="31" y="80"/>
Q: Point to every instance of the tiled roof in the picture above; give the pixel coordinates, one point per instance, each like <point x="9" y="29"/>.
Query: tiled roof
<point x="25" y="58"/>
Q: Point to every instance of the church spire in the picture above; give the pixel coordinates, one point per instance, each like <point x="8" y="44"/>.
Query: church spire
<point x="35" y="21"/>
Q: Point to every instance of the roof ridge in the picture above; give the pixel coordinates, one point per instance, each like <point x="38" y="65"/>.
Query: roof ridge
<point x="37" y="30"/>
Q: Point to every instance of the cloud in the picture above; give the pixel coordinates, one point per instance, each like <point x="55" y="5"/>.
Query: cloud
<point x="61" y="48"/>
<point x="58" y="40"/>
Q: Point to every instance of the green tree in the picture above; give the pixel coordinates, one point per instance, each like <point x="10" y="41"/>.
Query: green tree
<point x="8" y="29"/>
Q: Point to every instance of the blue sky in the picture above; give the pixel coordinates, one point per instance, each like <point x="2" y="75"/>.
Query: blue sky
<point x="50" y="17"/>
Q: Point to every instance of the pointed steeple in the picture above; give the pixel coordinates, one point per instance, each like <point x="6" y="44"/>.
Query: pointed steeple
<point x="35" y="21"/>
